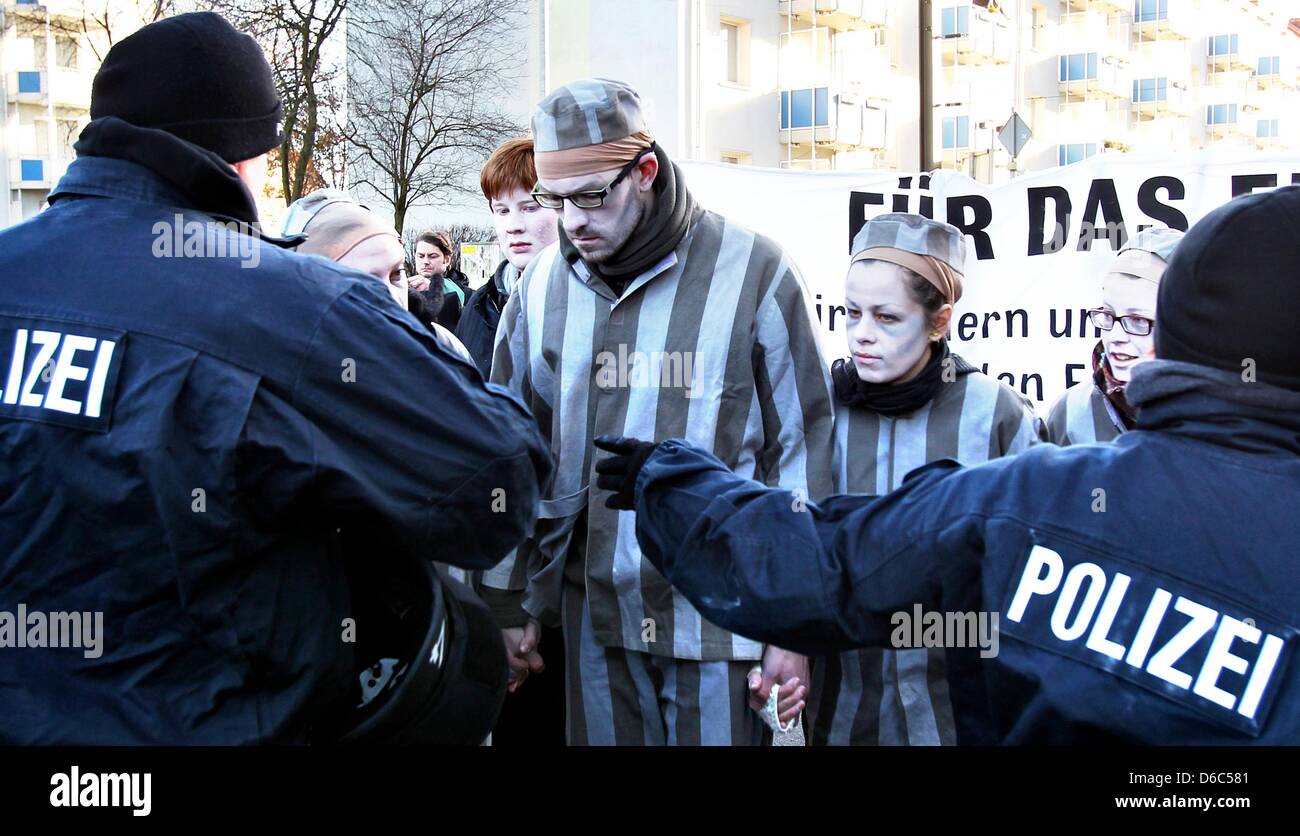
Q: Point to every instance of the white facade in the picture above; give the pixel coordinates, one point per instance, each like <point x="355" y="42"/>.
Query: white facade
<point x="46" y="71"/>
<point x="1152" y="75"/>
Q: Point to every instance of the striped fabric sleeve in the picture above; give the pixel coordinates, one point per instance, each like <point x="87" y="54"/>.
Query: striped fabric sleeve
<point x="510" y="369"/>
<point x="1018" y="426"/>
<point x="1057" y="425"/>
<point x="793" y="386"/>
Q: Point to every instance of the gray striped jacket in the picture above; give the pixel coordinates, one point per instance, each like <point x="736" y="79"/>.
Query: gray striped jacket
<point x="716" y="345"/>
<point x="1083" y="416"/>
<point x="900" y="697"/>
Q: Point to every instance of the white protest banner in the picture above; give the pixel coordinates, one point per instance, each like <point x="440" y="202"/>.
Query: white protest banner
<point x="1037" y="246"/>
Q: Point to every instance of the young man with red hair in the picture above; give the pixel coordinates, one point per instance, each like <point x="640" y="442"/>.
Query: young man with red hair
<point x="523" y="230"/>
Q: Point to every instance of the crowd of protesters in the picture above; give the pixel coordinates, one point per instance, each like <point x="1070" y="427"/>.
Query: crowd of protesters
<point x="610" y="635"/>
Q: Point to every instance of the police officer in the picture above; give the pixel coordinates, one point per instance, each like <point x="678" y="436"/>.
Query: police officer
<point x="1146" y="590"/>
<point x="189" y="416"/>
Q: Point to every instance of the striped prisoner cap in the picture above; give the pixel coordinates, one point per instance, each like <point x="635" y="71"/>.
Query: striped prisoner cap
<point x="914" y="234"/>
<point x="934" y="250"/>
<point x="586" y="126"/>
<point x="1159" y="241"/>
<point x="1146" y="254"/>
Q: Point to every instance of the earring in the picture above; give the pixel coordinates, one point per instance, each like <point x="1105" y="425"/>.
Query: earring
<point x="935" y="334"/>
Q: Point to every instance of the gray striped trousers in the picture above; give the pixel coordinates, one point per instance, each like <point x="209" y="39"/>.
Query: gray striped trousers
<point x="620" y="697"/>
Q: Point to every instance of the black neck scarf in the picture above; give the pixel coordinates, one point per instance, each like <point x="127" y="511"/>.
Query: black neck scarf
<point x="893" y="399"/>
<point x="659" y="232"/>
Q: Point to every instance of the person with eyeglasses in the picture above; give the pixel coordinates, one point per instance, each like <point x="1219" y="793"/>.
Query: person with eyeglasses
<point x="1140" y="592"/>
<point x="1096" y="409"/>
<point x="657" y="318"/>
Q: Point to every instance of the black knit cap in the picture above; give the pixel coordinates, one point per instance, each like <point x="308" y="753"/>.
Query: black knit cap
<point x="196" y="77"/>
<point x="1232" y="290"/>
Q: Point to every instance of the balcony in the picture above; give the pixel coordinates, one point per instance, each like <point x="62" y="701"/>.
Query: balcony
<point x="1097" y="122"/>
<point x="30" y="172"/>
<point x="69" y="88"/>
<point x="982" y="40"/>
<point x="840" y="15"/>
<point x="1174" y="22"/>
<point x="1221" y="122"/>
<point x="1270" y="74"/>
<point x="1070" y="7"/>
<point x="839" y="122"/>
<point x="1222" y="55"/>
<point x="1088" y="76"/>
<point x="1158" y="99"/>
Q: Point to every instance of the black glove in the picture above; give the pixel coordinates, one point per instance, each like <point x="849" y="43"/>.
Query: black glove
<point x="617" y="473"/>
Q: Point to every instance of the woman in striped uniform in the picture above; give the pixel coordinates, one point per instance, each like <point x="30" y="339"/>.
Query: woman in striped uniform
<point x="1095" y="409"/>
<point x="902" y="400"/>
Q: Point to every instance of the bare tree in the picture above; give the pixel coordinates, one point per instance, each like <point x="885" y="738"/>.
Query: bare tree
<point x="425" y="83"/>
<point x="103" y="23"/>
<point x="295" y="34"/>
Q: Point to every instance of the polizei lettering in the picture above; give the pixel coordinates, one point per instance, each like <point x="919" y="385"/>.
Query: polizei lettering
<point x="1177" y="640"/>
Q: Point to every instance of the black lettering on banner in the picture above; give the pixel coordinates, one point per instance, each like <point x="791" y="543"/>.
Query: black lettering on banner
<point x="1102" y="196"/>
<point x="1150" y="205"/>
<point x="982" y="211"/>
<point x="1243" y="184"/>
<point x="1038" y="198"/>
<point x="858" y="203"/>
<point x="1069" y="373"/>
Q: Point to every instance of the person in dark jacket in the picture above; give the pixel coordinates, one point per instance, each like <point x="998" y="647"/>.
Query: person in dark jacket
<point x="438" y="287"/>
<point x="187" y="431"/>
<point x="523" y="230"/>
<point x="1146" y="590"/>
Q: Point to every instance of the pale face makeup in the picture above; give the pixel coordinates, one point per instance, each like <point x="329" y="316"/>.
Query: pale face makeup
<point x="889" y="333"/>
<point x="599" y="233"/>
<point x="523" y="228"/>
<point x="381" y="256"/>
<point x="1124" y="295"/>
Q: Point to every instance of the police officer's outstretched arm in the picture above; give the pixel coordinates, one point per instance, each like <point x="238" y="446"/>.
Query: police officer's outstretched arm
<point x="813" y="577"/>
<point x="386" y="431"/>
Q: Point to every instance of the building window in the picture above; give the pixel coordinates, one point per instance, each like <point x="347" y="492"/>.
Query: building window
<point x="735" y="51"/>
<point x="29" y="82"/>
<point x="797" y="108"/>
<point x="65" y="53"/>
<point x="1080" y="66"/>
<point x="32" y="169"/>
<point x="1075" y="152"/>
<point x="1150" y="89"/>
<point x="1221" y="114"/>
<point x="955" y="21"/>
<point x="1221" y="45"/>
<point x="1144" y="10"/>
<point x="1270" y="65"/>
<point x="1266" y="128"/>
<point x="956" y="132"/>
<point x="1039" y="27"/>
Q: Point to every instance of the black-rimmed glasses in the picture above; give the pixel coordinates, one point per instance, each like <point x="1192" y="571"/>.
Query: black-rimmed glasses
<point x="587" y="200"/>
<point x="1138" y="326"/>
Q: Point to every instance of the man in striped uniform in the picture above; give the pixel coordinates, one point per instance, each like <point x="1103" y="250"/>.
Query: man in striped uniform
<point x="1096" y="409"/>
<point x="904" y="278"/>
<point x="654" y="318"/>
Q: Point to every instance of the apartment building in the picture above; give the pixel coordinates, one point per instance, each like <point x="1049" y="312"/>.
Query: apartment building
<point x="48" y="57"/>
<point x="837" y="84"/>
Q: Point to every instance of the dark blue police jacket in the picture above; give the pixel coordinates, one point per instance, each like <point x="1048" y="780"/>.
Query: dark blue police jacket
<point x="1146" y="590"/>
<point x="182" y="432"/>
